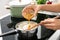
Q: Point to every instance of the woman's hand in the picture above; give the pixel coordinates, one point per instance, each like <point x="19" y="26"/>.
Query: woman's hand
<point x="31" y="8"/>
<point x="51" y="23"/>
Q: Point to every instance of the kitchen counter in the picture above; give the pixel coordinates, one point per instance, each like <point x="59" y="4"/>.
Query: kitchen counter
<point x="3" y="16"/>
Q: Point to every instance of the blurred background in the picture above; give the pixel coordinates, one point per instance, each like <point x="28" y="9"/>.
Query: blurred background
<point x="3" y="11"/>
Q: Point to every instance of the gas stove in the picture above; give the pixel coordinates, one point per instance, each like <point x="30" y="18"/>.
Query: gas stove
<point x="8" y="23"/>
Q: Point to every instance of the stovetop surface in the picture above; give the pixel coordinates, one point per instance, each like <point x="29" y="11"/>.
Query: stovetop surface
<point x="9" y="22"/>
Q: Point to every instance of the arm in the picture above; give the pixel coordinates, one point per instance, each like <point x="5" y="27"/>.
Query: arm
<point x="51" y="7"/>
<point x="36" y="8"/>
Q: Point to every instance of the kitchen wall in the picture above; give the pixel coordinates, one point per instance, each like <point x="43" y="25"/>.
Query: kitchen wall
<point x="3" y="11"/>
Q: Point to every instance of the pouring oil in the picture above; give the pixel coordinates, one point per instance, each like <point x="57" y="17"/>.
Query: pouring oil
<point x="29" y="16"/>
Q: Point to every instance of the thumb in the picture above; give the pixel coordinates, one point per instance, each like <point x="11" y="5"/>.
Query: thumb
<point x="36" y="10"/>
<point x="35" y="13"/>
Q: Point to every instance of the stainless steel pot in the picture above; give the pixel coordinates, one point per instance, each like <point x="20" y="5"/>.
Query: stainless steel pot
<point x="20" y="26"/>
<point x="28" y="33"/>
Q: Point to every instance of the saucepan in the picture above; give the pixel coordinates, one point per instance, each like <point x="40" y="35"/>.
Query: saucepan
<point x="21" y="28"/>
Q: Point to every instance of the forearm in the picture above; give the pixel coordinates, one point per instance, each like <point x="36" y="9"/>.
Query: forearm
<point x="51" y="7"/>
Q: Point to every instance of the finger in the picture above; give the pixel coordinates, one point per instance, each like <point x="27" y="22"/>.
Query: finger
<point x="48" y="25"/>
<point x="36" y="11"/>
<point x="46" y="21"/>
<point x="26" y="11"/>
<point x="51" y="28"/>
<point x="57" y="17"/>
<point x="26" y="8"/>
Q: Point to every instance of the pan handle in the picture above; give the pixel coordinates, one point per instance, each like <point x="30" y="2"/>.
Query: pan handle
<point x="12" y="32"/>
<point x="7" y="7"/>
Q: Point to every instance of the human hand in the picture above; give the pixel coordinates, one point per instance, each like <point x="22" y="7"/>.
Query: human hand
<point x="31" y="9"/>
<point x="51" y="23"/>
